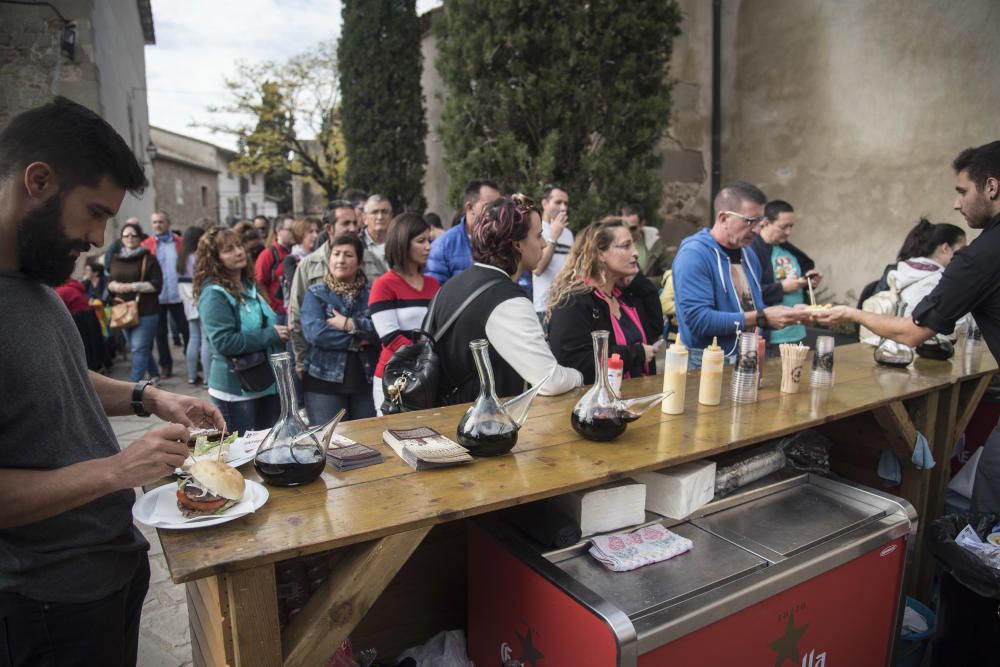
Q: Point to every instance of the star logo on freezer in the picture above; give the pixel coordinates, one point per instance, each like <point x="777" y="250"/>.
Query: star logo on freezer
<point x="529" y="654"/>
<point x="787" y="646"/>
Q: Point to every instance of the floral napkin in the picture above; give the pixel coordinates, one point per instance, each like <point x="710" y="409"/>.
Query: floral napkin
<point x="621" y="552"/>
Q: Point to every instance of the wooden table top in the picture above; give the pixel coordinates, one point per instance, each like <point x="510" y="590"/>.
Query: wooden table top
<point x="549" y="459"/>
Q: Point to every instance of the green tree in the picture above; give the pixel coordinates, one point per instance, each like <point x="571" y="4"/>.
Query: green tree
<point x="271" y="104"/>
<point x="563" y="92"/>
<point x="383" y="105"/>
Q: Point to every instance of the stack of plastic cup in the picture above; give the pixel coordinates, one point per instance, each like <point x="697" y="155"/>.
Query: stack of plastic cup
<point x="822" y="369"/>
<point x="745" y="375"/>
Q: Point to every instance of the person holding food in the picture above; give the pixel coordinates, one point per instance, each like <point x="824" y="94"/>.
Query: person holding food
<point x="717" y="280"/>
<point x="343" y="345"/>
<point x="968" y="284"/>
<point x="786" y="273"/>
<point x="237" y="321"/>
<point x="73" y="566"/>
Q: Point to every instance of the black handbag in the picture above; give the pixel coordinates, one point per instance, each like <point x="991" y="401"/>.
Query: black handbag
<point x="252" y="369"/>
<point x="412" y="378"/>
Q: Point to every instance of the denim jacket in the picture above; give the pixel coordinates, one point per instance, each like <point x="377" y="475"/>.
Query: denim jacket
<point x="329" y="346"/>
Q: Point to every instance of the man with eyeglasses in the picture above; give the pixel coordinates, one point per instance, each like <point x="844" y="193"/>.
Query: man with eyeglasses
<point x="786" y="271"/>
<point x="717" y="280"/>
<point x="645" y="238"/>
<point x="378" y="213"/>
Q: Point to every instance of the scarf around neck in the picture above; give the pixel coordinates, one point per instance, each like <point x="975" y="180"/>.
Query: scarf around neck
<point x="345" y="289"/>
<point x="628" y="311"/>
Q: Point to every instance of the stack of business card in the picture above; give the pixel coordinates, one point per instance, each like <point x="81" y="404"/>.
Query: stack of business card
<point x="346" y="454"/>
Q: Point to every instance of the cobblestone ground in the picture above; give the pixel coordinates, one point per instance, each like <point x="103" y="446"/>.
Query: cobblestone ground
<point x="164" y="636"/>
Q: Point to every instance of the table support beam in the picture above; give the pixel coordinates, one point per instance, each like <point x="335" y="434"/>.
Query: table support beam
<point x="253" y="606"/>
<point x="333" y="611"/>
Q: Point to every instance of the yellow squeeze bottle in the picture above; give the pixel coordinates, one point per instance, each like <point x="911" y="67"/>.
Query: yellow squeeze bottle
<point x="675" y="378"/>
<point x="712" y="361"/>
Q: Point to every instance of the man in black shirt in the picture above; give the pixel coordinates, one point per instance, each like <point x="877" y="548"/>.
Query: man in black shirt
<point x="970" y="283"/>
<point x="73" y="567"/>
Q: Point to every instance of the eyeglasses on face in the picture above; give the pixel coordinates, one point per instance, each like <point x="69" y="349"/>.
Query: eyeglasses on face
<point x="750" y="222"/>
<point x="130" y="236"/>
<point x="386" y="212"/>
<point x="630" y="245"/>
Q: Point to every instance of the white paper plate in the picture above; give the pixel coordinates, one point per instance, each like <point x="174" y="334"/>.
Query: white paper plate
<point x="158" y="508"/>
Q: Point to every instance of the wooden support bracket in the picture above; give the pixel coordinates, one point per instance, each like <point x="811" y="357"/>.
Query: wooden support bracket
<point x="333" y="611"/>
<point x="254" y="608"/>
<point x="901" y="434"/>
<point x="969" y="395"/>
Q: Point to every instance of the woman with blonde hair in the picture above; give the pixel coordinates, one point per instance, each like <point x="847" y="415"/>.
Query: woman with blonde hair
<point x="237" y="320"/>
<point x="586" y="296"/>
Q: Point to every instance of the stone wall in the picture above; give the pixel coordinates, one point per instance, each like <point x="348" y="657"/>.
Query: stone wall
<point x="107" y="73"/>
<point x="853" y="112"/>
<point x="186" y="193"/>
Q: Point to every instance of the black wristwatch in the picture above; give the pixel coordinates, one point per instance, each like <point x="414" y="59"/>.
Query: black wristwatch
<point x="761" y="319"/>
<point x="137" y="398"/>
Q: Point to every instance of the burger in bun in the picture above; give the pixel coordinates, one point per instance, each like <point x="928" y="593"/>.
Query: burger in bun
<point x="209" y="487"/>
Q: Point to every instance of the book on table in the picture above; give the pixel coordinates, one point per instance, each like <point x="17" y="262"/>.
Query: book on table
<point x="345" y="454"/>
<point x="424" y="448"/>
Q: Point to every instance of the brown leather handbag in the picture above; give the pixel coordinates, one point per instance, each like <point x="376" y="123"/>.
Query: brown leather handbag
<point x="125" y="314"/>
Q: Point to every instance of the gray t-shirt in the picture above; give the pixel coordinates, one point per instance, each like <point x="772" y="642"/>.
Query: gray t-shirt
<point x="50" y="417"/>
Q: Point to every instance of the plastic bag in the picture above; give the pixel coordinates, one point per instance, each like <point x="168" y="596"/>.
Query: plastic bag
<point x="445" y="649"/>
<point x="964" y="565"/>
<point x="807" y="451"/>
<point x="738" y="469"/>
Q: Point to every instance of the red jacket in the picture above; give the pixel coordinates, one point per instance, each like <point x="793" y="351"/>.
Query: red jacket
<point x="149" y="243"/>
<point x="269" y="273"/>
<point x="74" y="294"/>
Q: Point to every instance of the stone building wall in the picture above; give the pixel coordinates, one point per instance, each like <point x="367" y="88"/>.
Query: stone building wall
<point x="185" y="192"/>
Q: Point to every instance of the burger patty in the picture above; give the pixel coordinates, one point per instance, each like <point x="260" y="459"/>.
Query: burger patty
<point x="192" y="501"/>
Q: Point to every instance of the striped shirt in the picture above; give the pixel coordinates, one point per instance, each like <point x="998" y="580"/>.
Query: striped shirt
<point x="397" y="308"/>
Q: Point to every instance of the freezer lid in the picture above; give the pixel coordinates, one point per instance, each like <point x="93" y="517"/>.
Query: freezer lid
<point x="711" y="563"/>
<point x="791" y="520"/>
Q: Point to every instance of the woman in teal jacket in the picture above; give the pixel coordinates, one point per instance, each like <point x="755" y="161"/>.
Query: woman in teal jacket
<point x="236" y="320"/>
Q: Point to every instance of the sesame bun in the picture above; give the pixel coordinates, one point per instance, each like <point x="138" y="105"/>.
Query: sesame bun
<point x="216" y="477"/>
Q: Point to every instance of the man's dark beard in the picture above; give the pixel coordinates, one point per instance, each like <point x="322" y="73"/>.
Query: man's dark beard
<point x="43" y="247"/>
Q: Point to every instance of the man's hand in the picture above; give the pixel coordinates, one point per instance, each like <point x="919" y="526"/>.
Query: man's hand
<point x="815" y="277"/>
<point x="836" y="315"/>
<point x="185" y="410"/>
<point x="153" y="456"/>
<point x="557" y="225"/>
<point x="779" y="317"/>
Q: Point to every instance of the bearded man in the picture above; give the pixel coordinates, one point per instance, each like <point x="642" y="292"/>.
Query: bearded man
<point x="73" y="567"/>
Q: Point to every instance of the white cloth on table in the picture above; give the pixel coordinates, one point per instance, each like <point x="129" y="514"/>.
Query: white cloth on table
<point x="621" y="552"/>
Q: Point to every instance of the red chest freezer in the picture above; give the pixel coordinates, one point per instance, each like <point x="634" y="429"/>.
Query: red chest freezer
<point x="803" y="572"/>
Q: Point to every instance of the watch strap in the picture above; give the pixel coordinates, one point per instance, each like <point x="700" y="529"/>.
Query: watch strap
<point x="761" y="319"/>
<point x="136" y="403"/>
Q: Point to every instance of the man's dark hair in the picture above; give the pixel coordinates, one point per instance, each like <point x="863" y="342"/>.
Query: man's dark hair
<point x="775" y="208"/>
<point x="731" y="196"/>
<point x="260" y="217"/>
<point x="329" y="213"/>
<point x="633" y="209"/>
<point x="979" y="163"/>
<point x="95" y="267"/>
<point x="402" y="230"/>
<point x="355" y="196"/>
<point x="473" y="187"/>
<point x="77" y="143"/>
<point x="547" y="190"/>
<point x="433" y="220"/>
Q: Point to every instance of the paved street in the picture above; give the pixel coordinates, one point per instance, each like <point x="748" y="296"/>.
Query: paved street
<point x="164" y="636"/>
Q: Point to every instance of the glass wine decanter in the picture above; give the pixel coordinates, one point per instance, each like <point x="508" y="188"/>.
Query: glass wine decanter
<point x="292" y="453"/>
<point x="489" y="427"/>
<point x="601" y="414"/>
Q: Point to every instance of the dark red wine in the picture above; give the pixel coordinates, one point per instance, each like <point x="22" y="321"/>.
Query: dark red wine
<point x="276" y="466"/>
<point x="602" y="425"/>
<point x="894" y="364"/>
<point x="488" y="439"/>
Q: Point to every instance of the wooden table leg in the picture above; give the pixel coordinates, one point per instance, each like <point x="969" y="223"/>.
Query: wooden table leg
<point x="333" y="611"/>
<point x="253" y="613"/>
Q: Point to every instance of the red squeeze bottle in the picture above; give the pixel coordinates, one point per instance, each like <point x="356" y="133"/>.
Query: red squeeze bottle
<point x="761" y="351"/>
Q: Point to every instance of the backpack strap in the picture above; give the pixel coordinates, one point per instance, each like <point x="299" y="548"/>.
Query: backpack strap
<point x="436" y="335"/>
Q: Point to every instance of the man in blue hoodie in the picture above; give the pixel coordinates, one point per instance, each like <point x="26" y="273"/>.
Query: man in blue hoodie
<point x="717" y="282"/>
<point x="451" y="253"/>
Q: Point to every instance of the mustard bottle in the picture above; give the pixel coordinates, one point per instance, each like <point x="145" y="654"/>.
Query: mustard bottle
<point x="712" y="361"/>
